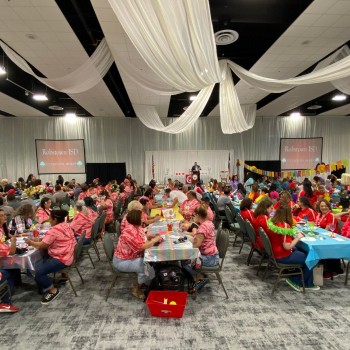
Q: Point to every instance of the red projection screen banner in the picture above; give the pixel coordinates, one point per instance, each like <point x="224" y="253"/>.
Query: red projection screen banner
<point x="300" y="154"/>
<point x="60" y="156"/>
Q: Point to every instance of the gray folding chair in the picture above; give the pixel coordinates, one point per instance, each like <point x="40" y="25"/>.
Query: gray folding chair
<point x="222" y="241"/>
<point x="77" y="252"/>
<point x="242" y="232"/>
<point x="283" y="269"/>
<point x="108" y="246"/>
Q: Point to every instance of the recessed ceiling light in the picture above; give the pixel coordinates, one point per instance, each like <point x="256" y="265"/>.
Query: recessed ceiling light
<point x="295" y="114"/>
<point x="193" y="97"/>
<point x="226" y="37"/>
<point x="339" y="98"/>
<point x="40" y="97"/>
<point x="2" y="70"/>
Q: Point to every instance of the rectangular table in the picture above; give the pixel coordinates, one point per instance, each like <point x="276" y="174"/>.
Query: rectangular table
<point x="25" y="261"/>
<point x="168" y="250"/>
<point x="322" y="246"/>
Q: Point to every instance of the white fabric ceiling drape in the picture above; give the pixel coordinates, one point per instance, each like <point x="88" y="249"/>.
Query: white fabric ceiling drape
<point x="176" y="40"/>
<point x="82" y="79"/>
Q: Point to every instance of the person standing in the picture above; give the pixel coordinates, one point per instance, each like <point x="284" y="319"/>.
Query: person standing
<point x="196" y="169"/>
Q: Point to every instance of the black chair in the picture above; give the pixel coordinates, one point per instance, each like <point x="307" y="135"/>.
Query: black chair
<point x="77" y="252"/>
<point x="254" y="246"/>
<point x="284" y="270"/>
<point x="117" y="209"/>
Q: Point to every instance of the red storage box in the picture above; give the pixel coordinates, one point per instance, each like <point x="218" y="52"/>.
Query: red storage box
<point x="158" y="308"/>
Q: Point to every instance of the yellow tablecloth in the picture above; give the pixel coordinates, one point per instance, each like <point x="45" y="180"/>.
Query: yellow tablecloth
<point x="154" y="212"/>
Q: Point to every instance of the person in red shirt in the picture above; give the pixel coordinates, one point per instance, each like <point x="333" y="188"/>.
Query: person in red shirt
<point x="43" y="213"/>
<point x="326" y="219"/>
<point x="285" y="199"/>
<point x="303" y="210"/>
<point x="128" y="254"/>
<point x="283" y="240"/>
<point x="246" y="210"/>
<point x="188" y="206"/>
<point x="261" y="215"/>
<point x="60" y="243"/>
<point x="308" y="192"/>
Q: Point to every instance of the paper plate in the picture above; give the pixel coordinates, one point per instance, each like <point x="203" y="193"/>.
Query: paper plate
<point x="308" y="239"/>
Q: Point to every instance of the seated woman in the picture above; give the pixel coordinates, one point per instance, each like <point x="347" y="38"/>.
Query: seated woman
<point x="308" y="192"/>
<point x="43" y="213"/>
<point x="82" y="221"/>
<point x="206" y="202"/>
<point x="241" y="191"/>
<point x="246" y="210"/>
<point x="234" y="182"/>
<point x="325" y="219"/>
<point x="303" y="210"/>
<point x="188" y="206"/>
<point x="22" y="220"/>
<point x="147" y="219"/>
<point x="128" y="255"/>
<point x="84" y="192"/>
<point x="8" y="275"/>
<point x="261" y="215"/>
<point x="151" y="204"/>
<point x="187" y="227"/>
<point x="60" y="242"/>
<point x="254" y="193"/>
<point x="203" y="239"/>
<point x="107" y="206"/>
<point x="264" y="192"/>
<point x="285" y="199"/>
<point x="283" y="240"/>
<point x="274" y="195"/>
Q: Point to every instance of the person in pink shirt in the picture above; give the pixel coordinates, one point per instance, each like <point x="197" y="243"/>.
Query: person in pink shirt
<point x="107" y="206"/>
<point x="123" y="194"/>
<point x="148" y="195"/>
<point x="82" y="221"/>
<point x="203" y="239"/>
<point x="127" y="188"/>
<point x="128" y="254"/>
<point x="187" y="207"/>
<point x="60" y="242"/>
<point x="84" y="192"/>
<point x="206" y="201"/>
<point x="147" y="219"/>
<point x="43" y="213"/>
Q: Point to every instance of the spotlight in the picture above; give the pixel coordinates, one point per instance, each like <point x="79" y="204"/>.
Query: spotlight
<point x="40" y="97"/>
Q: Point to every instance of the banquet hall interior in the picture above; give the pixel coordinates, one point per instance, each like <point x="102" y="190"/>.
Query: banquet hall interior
<point x="158" y="85"/>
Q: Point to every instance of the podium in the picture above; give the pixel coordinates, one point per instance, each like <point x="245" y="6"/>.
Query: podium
<point x="195" y="177"/>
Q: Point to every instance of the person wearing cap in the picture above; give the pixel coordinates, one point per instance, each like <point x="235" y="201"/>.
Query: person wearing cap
<point x="60" y="242"/>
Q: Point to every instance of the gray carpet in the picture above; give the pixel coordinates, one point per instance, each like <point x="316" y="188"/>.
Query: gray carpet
<point x="250" y="319"/>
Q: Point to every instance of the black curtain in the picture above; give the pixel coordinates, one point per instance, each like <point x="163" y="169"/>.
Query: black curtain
<point x="105" y="172"/>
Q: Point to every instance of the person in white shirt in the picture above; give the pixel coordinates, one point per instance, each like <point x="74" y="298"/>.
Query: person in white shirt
<point x="177" y="196"/>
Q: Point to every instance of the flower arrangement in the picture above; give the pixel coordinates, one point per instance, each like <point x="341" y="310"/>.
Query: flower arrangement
<point x="35" y="191"/>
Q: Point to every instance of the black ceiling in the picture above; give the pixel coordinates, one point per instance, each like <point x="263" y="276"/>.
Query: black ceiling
<point x="259" y="25"/>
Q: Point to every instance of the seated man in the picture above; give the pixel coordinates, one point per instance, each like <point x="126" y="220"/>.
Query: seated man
<point x="223" y="200"/>
<point x="177" y="196"/>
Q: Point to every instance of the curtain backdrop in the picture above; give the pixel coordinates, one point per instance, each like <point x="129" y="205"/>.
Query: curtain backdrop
<point x="167" y="165"/>
<point x="126" y="140"/>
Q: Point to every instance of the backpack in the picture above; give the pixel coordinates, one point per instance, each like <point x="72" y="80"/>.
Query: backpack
<point x="170" y="278"/>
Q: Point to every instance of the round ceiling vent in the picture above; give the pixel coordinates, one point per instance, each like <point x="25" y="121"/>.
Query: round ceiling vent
<point x="226" y="37"/>
<point x="315" y="106"/>
<point x="56" y="108"/>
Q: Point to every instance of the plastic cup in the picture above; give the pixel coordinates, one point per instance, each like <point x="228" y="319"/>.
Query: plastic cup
<point x="170" y="227"/>
<point x="35" y="233"/>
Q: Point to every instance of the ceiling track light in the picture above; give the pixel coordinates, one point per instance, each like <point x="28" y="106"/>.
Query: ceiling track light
<point x="339" y="97"/>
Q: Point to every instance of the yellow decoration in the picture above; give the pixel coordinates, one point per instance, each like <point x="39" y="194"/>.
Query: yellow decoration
<point x="333" y="166"/>
<point x="346" y="162"/>
<point x="321" y="168"/>
<point x="172" y="303"/>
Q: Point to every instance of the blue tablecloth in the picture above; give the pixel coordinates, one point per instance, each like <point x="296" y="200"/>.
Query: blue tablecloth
<point x="325" y="247"/>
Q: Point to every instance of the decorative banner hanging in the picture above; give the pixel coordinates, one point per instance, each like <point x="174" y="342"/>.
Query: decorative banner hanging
<point x="321" y="168"/>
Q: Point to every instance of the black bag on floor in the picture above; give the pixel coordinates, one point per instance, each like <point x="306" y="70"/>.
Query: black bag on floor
<point x="169" y="277"/>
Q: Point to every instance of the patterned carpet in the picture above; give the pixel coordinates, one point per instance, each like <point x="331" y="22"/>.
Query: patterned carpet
<point x="250" y="319"/>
